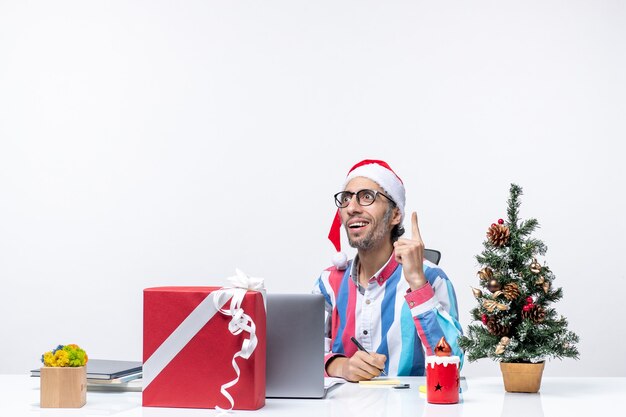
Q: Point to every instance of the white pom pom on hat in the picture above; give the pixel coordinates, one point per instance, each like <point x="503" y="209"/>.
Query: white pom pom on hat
<point x="381" y="173"/>
<point x="340" y="260"/>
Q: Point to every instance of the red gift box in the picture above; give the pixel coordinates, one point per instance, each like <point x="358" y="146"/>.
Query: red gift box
<point x="188" y="350"/>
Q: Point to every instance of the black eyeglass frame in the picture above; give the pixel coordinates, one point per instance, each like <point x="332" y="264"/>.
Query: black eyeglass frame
<point x="359" y="194"/>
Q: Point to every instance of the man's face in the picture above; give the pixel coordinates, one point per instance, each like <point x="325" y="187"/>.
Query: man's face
<point x="368" y="226"/>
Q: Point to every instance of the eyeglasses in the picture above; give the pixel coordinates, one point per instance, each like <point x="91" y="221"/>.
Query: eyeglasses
<point x="363" y="197"/>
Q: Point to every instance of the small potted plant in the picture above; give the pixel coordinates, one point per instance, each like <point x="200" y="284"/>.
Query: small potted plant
<point x="516" y="325"/>
<point x="63" y="377"/>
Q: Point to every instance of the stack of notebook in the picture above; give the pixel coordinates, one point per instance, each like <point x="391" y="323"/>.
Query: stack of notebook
<point x="110" y="375"/>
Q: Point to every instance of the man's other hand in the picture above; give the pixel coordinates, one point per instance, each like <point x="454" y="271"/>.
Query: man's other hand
<point x="360" y="367"/>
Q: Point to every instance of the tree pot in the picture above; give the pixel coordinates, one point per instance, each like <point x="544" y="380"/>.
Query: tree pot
<point x="63" y="387"/>
<point x="522" y="377"/>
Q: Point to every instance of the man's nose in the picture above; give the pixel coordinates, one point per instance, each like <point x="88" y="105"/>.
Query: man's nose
<point x="353" y="206"/>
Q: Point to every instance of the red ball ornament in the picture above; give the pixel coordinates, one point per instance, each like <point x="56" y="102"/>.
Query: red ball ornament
<point x="500" y="221"/>
<point x="529" y="300"/>
<point x="484" y="319"/>
<point x="527" y="307"/>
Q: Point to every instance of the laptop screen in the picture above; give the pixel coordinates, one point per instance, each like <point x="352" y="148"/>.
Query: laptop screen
<point x="295" y="346"/>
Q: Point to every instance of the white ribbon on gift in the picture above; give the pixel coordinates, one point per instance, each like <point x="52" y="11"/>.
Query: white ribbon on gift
<point x="240" y="322"/>
<point x="200" y="316"/>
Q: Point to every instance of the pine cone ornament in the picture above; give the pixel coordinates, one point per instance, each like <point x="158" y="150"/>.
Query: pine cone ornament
<point x="535" y="313"/>
<point x="498" y="235"/>
<point x="496" y="328"/>
<point x="511" y="291"/>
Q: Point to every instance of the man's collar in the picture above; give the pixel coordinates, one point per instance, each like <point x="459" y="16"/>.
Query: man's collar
<point x="381" y="275"/>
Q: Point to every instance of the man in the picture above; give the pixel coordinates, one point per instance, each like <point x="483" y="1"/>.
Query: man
<point x="392" y="301"/>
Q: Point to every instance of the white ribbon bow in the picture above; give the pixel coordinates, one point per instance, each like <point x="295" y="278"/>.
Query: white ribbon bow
<point x="241" y="280"/>
<point x="240" y="322"/>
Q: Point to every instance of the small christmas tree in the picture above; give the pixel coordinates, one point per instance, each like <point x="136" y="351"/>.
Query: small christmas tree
<point x="517" y="323"/>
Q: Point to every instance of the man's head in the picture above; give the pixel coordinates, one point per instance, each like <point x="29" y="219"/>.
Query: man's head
<point x="367" y="213"/>
<point x="371" y="205"/>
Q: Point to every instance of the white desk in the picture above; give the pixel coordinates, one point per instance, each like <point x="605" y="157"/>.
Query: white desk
<point x="19" y="396"/>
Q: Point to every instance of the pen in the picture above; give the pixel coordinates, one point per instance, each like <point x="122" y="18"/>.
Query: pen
<point x="360" y="347"/>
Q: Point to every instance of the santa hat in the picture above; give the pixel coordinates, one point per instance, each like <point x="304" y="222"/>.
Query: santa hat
<point x="382" y="174"/>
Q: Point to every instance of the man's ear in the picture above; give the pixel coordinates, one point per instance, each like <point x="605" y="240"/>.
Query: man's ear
<point x="397" y="216"/>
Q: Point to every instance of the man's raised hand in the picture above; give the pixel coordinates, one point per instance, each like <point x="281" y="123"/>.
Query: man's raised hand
<point x="410" y="253"/>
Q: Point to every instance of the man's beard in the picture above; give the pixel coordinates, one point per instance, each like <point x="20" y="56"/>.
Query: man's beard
<point x="370" y="240"/>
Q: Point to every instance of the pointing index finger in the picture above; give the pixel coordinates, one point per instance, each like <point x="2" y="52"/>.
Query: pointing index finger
<point x="415" y="227"/>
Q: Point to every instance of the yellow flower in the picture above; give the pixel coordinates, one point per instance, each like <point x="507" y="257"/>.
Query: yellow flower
<point x="48" y="359"/>
<point x="62" y="358"/>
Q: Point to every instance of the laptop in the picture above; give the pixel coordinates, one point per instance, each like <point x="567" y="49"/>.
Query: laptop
<point x="295" y="346"/>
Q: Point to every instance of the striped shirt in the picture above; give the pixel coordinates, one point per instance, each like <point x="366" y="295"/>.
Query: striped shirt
<point x="388" y="318"/>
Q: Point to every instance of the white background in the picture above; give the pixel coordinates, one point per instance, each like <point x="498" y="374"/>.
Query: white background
<point x="147" y="143"/>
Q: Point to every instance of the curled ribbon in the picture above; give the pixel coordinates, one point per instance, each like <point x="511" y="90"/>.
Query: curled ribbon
<point x="239" y="323"/>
